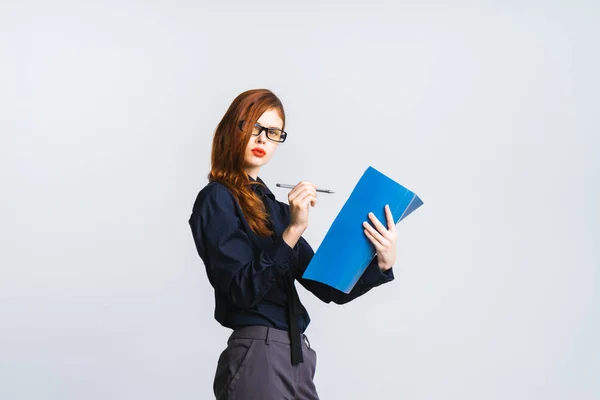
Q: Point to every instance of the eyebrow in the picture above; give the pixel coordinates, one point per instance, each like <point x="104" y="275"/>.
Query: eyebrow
<point x="269" y="127"/>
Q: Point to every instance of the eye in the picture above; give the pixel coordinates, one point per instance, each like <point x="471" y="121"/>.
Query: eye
<point x="274" y="133"/>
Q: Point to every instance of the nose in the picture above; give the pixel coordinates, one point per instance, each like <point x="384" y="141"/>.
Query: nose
<point x="262" y="137"/>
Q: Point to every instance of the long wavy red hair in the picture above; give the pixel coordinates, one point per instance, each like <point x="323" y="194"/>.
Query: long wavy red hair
<point x="228" y="150"/>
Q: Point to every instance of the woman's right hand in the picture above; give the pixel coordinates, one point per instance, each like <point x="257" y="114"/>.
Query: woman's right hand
<point x="303" y="195"/>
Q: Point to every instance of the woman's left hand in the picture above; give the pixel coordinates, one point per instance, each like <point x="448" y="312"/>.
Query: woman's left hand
<point x="384" y="239"/>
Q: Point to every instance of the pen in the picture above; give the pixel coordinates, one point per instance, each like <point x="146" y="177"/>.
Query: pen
<point x="286" y="186"/>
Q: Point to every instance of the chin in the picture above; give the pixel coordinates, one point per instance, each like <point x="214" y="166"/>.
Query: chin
<point x="255" y="164"/>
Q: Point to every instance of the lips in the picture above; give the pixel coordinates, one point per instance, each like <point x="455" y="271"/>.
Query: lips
<point x="258" y="152"/>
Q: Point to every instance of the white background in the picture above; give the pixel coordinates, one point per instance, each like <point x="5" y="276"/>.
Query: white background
<point x="487" y="110"/>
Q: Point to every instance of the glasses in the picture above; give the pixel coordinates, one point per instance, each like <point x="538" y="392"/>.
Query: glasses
<point x="273" y="134"/>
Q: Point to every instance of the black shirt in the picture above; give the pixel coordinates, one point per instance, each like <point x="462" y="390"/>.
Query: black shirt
<point x="246" y="270"/>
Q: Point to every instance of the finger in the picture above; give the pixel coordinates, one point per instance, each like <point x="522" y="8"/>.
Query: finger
<point x="292" y="194"/>
<point x="374" y="241"/>
<point x="309" y="198"/>
<point x="300" y="187"/>
<point x="382" y="229"/>
<point x="376" y="235"/>
<point x="310" y="191"/>
<point x="303" y="199"/>
<point x="301" y="193"/>
<point x="295" y="190"/>
<point x="390" y="218"/>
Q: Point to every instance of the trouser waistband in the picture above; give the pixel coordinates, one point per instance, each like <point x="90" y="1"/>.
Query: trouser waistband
<point x="265" y="333"/>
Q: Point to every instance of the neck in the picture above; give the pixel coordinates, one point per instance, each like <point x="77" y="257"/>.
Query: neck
<point x="253" y="172"/>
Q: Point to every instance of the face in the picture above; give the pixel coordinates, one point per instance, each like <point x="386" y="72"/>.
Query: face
<point x="260" y="149"/>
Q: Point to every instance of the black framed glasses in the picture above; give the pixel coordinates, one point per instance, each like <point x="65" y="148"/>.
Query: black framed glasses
<point x="273" y="134"/>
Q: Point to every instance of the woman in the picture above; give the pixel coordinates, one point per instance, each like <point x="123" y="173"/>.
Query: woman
<point x="253" y="250"/>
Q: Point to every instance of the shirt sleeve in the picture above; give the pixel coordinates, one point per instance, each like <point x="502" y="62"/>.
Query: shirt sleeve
<point x="233" y="266"/>
<point x="372" y="277"/>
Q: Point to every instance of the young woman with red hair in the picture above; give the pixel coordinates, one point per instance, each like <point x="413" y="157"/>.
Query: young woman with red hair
<point x="253" y="250"/>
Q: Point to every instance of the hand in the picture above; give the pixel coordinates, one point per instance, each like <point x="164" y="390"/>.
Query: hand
<point x="383" y="239"/>
<point x="303" y="195"/>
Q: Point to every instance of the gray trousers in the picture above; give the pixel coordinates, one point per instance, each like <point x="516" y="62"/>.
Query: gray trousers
<point x="256" y="365"/>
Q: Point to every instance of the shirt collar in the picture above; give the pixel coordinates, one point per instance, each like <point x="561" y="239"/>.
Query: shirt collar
<point x="261" y="189"/>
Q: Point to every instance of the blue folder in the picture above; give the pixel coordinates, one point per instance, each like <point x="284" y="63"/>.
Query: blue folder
<point x="346" y="252"/>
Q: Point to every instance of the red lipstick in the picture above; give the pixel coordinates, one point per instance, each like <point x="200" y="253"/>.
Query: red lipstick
<point x="258" y="152"/>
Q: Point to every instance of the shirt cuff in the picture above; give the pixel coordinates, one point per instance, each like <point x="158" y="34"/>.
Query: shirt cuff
<point x="389" y="274"/>
<point x="373" y="275"/>
<point x="283" y="256"/>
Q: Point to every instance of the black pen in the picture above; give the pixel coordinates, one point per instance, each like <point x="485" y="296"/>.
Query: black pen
<point x="286" y="186"/>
